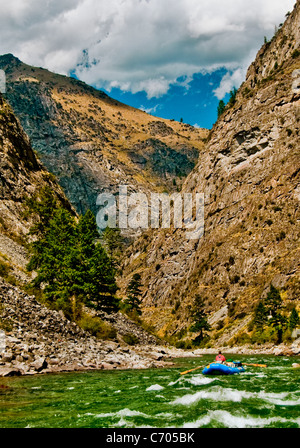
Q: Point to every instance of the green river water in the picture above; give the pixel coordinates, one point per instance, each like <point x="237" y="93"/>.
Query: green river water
<point x="156" y="398"/>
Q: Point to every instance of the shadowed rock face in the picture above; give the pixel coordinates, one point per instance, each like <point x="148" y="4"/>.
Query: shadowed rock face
<point x="92" y="142"/>
<point x="249" y="172"/>
<point x="21" y="174"/>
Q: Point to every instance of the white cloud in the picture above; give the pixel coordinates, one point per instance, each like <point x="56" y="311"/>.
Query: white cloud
<point x="230" y="80"/>
<point x="139" y="44"/>
<point x="150" y="110"/>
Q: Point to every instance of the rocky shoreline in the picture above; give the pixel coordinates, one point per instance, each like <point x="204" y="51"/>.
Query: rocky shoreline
<point x="40" y="341"/>
<point x="36" y="339"/>
<point x="267" y="349"/>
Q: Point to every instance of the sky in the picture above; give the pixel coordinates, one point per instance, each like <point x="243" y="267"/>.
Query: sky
<point x="172" y="58"/>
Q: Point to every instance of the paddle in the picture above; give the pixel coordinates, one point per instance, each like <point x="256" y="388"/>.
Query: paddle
<point x="192" y="370"/>
<point x="254" y="365"/>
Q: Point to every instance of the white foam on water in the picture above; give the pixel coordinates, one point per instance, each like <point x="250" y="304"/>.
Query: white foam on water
<point x="172" y="383"/>
<point x="154" y="387"/>
<point x="204" y="421"/>
<point x="229" y="420"/>
<point x="215" y="394"/>
<point x="195" y="380"/>
<point x="282" y="399"/>
<point x="199" y="380"/>
<point x="122" y="413"/>
<point x="128" y="413"/>
<point x="164" y="415"/>
<point x="234" y="395"/>
<point x="121" y="423"/>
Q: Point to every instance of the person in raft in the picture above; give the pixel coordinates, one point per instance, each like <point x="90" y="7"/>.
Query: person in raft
<point x="220" y="358"/>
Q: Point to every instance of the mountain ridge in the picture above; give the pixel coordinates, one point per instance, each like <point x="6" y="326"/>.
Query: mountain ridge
<point x="91" y="142"/>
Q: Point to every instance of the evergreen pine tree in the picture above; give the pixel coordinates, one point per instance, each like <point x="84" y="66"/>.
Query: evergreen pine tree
<point x="232" y="97"/>
<point x="72" y="265"/>
<point x="200" y="323"/>
<point x="87" y="231"/>
<point x="221" y="108"/>
<point x="113" y="242"/>
<point x="273" y="303"/>
<point x="260" y="316"/>
<point x="41" y="207"/>
<point x="96" y="270"/>
<point x="54" y="257"/>
<point x="100" y="286"/>
<point x="133" y="301"/>
<point x="294" y="319"/>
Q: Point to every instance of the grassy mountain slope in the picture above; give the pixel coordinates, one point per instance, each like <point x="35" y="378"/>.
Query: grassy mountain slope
<point x="93" y="143"/>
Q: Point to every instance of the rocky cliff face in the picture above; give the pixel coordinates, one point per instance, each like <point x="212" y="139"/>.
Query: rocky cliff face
<point x="34" y="338"/>
<point x="249" y="172"/>
<point x="93" y="143"/>
<point x="21" y="175"/>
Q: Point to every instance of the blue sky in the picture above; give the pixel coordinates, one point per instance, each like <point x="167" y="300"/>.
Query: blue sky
<point x="195" y="105"/>
<point x="173" y="58"/>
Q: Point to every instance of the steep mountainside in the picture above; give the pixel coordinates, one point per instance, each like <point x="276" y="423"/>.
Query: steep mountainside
<point x="34" y="338"/>
<point x="21" y="175"/>
<point x="93" y="143"/>
<point x="249" y="172"/>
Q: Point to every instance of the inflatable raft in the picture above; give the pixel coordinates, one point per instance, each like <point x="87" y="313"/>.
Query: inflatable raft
<point x="216" y="368"/>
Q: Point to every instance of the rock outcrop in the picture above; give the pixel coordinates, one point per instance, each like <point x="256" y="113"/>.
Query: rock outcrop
<point x="249" y="173"/>
<point x="21" y="176"/>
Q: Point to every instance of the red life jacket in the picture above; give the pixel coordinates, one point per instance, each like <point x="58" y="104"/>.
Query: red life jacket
<point x="220" y="358"/>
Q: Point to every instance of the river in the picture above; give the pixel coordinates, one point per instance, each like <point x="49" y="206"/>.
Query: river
<point x="156" y="398"/>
